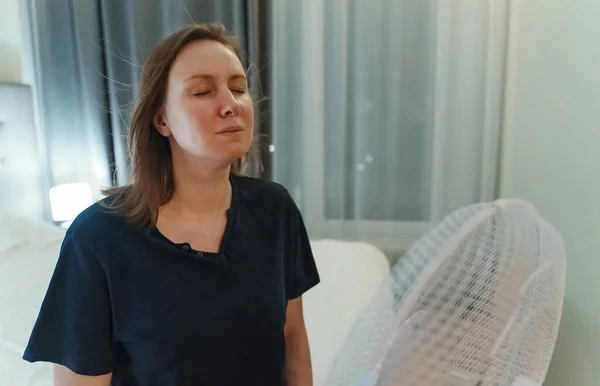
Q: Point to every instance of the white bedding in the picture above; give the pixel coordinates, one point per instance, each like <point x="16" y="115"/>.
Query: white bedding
<point x="28" y="252"/>
<point x="350" y="274"/>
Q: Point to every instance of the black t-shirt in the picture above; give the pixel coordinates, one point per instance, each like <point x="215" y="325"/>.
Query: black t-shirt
<point x="129" y="301"/>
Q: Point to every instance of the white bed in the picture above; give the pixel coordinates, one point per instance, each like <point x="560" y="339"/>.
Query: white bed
<point x="28" y="251"/>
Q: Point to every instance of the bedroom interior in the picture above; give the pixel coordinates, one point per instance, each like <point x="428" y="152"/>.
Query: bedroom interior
<point x="494" y="99"/>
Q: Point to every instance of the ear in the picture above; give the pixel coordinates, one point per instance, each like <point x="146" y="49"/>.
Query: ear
<point x="161" y="125"/>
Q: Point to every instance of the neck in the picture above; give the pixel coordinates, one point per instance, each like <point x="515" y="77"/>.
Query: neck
<point x="199" y="191"/>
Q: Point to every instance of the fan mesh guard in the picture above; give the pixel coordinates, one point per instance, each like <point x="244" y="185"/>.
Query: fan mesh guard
<point x="476" y="301"/>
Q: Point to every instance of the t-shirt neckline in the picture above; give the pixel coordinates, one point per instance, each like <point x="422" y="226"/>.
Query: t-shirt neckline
<point x="230" y="213"/>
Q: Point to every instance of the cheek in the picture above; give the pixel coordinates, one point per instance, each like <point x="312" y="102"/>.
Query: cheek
<point x="189" y="121"/>
<point x="248" y="113"/>
<point x="200" y="118"/>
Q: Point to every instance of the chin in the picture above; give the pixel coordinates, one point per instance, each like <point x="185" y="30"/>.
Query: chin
<point x="236" y="151"/>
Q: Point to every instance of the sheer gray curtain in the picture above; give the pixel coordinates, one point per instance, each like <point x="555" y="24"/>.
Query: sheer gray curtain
<point x="379" y="110"/>
<point x="86" y="58"/>
<point x="386" y="113"/>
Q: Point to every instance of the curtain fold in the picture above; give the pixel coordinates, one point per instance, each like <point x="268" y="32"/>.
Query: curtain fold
<point x="87" y="60"/>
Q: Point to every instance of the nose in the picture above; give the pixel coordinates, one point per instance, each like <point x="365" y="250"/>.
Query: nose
<point x="230" y="107"/>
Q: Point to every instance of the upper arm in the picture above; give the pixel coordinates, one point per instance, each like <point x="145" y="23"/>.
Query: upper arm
<point x="302" y="273"/>
<point x="65" y="377"/>
<point x="294" y="320"/>
<point x="74" y="324"/>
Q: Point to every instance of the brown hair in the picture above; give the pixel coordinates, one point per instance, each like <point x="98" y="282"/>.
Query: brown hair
<point x="152" y="169"/>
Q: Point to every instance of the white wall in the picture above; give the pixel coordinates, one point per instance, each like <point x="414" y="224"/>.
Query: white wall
<point x="552" y="157"/>
<point x="10" y="41"/>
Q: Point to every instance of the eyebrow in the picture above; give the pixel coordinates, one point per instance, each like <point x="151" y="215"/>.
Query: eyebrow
<point x="210" y="77"/>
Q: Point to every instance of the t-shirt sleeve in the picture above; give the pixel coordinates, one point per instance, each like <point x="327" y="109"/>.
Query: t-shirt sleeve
<point x="74" y="327"/>
<point x="303" y="273"/>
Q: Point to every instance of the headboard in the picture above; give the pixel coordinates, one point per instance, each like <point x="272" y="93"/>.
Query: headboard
<point x="21" y="191"/>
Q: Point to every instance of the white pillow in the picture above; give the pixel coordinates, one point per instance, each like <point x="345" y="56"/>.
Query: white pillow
<point x="351" y="273"/>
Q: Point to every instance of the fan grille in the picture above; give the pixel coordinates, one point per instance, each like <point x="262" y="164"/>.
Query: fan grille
<point x="476" y="301"/>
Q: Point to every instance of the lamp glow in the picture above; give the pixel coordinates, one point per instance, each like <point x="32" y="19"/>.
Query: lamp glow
<point x="68" y="200"/>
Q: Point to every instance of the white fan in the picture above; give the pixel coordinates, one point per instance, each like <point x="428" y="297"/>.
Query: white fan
<point x="475" y="302"/>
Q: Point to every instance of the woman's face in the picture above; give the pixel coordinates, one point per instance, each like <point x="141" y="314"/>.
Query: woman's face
<point x="208" y="113"/>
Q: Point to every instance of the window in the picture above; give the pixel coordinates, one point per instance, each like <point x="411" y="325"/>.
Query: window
<point x="385" y="115"/>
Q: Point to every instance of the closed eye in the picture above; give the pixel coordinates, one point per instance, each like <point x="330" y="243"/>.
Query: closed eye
<point x="202" y="93"/>
<point x="239" y="91"/>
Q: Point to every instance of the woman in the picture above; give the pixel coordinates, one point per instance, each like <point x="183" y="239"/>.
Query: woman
<point x="192" y="274"/>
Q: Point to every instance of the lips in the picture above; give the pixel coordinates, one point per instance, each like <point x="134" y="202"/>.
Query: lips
<point x="231" y="129"/>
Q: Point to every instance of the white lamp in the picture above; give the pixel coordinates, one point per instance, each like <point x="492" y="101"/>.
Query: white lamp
<point x="68" y="200"/>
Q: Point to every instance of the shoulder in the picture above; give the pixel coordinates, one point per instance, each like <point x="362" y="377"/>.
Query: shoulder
<point x="260" y="191"/>
<point x="96" y="224"/>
